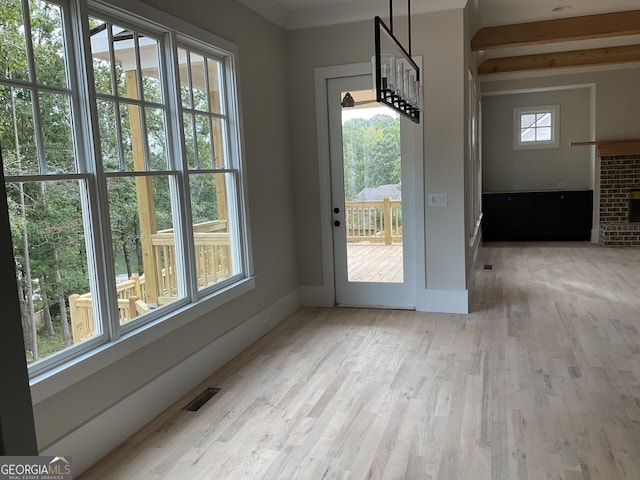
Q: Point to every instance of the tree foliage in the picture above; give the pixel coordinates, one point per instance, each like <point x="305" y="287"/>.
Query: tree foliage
<point x="371" y="152"/>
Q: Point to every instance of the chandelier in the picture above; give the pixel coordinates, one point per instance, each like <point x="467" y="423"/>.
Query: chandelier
<point x="396" y="76"/>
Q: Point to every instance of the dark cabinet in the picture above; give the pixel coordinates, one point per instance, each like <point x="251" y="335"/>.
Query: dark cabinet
<point x="546" y="215"/>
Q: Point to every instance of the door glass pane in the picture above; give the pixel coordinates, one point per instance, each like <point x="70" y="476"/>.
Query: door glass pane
<point x="373" y="190"/>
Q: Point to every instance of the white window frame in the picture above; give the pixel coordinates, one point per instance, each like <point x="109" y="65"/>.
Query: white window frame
<point x="519" y="112"/>
<point x="69" y="366"/>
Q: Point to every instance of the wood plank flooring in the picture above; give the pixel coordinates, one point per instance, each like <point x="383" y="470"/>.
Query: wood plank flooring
<point x="540" y="381"/>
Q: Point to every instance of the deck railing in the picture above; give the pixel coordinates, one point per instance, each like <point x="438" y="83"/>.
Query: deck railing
<point x="213" y="263"/>
<point x="376" y="221"/>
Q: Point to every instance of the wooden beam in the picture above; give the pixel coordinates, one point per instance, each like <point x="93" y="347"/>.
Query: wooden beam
<point x="576" y="58"/>
<point x="144" y="192"/>
<point x="559" y="30"/>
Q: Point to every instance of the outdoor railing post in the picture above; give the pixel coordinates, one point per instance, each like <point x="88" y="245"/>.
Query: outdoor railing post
<point x="75" y="317"/>
<point x="388" y="227"/>
<point x="133" y="311"/>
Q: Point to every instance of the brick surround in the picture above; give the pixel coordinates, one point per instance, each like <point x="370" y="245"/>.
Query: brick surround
<point x="618" y="175"/>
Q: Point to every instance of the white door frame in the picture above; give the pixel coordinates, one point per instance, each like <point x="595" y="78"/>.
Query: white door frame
<point x="326" y="295"/>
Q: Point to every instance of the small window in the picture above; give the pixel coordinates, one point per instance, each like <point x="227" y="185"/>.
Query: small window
<point x="536" y="127"/>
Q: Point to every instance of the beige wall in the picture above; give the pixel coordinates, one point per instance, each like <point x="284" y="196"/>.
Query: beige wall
<point x="438" y="38"/>
<point x="263" y="87"/>
<point x="506" y="169"/>
<point x="308" y="49"/>
<point x="617" y="96"/>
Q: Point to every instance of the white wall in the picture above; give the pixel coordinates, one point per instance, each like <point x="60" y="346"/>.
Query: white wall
<point x="564" y="167"/>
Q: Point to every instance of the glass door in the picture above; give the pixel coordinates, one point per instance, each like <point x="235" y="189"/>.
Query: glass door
<point x="367" y="197"/>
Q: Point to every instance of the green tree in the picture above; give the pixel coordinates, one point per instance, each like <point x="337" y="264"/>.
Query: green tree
<point x="43" y="214"/>
<point x="371" y="152"/>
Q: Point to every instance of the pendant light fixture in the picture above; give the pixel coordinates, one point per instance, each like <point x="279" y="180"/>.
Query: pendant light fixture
<point x="396" y="76"/>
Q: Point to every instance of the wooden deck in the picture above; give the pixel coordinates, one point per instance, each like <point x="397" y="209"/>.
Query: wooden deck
<point x="375" y="262"/>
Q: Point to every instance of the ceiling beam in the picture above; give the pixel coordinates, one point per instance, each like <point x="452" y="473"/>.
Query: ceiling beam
<point x="559" y="30"/>
<point x="576" y="58"/>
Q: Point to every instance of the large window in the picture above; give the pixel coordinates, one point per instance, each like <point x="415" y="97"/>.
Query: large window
<point x="536" y="127"/>
<point x="123" y="174"/>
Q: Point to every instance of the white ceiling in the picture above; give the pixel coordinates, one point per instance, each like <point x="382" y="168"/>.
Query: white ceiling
<point x="293" y="14"/>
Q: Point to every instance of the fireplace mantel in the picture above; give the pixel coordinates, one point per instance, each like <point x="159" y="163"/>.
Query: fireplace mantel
<point x="613" y="148"/>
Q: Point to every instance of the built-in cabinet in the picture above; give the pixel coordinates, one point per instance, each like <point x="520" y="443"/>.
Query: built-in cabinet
<point x="543" y="215"/>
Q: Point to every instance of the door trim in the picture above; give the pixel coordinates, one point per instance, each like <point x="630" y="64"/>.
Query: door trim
<point x="325" y="295"/>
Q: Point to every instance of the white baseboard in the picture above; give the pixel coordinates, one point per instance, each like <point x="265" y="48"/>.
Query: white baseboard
<point x="90" y="442"/>
<point x="443" y="301"/>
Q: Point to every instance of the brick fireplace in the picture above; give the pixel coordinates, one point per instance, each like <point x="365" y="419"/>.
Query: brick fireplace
<point x="619" y="177"/>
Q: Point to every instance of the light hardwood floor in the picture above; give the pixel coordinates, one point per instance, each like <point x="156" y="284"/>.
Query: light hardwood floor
<point x="540" y="381"/>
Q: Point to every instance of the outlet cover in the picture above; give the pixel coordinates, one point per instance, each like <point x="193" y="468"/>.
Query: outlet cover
<point x="437" y="199"/>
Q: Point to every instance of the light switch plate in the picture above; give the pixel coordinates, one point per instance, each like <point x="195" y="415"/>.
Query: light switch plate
<point x="437" y="199"/>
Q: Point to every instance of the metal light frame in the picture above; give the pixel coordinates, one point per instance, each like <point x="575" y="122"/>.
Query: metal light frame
<point x="395" y="99"/>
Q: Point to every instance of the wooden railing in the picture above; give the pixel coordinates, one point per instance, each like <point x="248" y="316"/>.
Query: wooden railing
<point x="81" y="311"/>
<point x="213" y="263"/>
<point x="378" y="221"/>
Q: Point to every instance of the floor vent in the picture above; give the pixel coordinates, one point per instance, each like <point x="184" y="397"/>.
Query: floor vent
<point x="488" y="267"/>
<point x="201" y="399"/>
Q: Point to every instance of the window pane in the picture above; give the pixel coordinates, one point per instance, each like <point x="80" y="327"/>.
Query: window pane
<point x="543" y="119"/>
<point x="48" y="44"/>
<point x="185" y="92"/>
<point x="528" y="135"/>
<point x="100" y="56"/>
<point x="17" y="136"/>
<point x="214" y="68"/>
<point x="189" y="139"/>
<point x="144" y="244"/>
<point x="131" y="127"/>
<point x="205" y="154"/>
<point x="57" y="132"/>
<point x="13" y="61"/>
<point x="200" y="101"/>
<point x="215" y="233"/>
<point x="52" y="268"/>
<point x="219" y="143"/>
<point x="149" y="52"/>
<point x="544" y="134"/>
<point x="157" y="138"/>
<point x="527" y="121"/>
<point x="125" y="57"/>
<point x="108" y="135"/>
